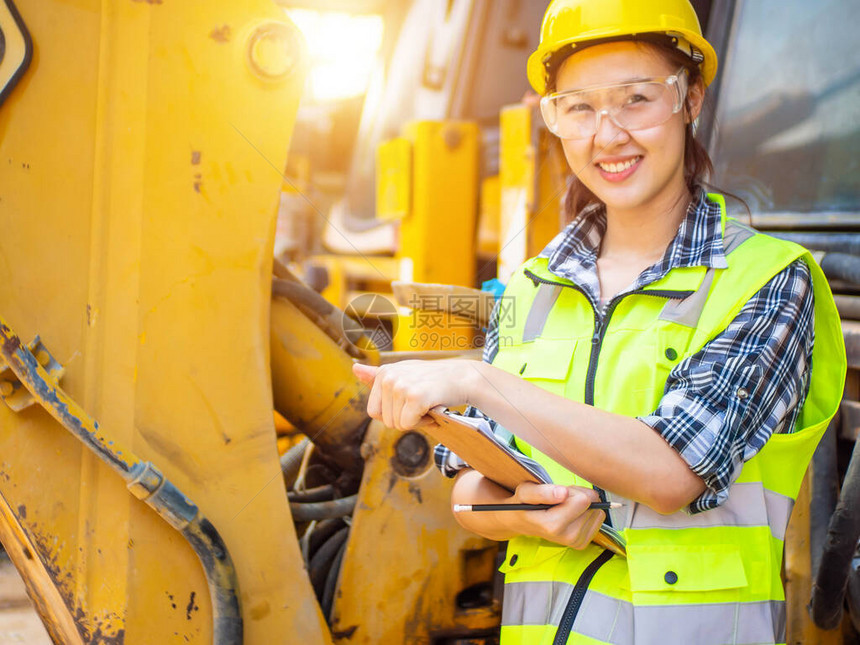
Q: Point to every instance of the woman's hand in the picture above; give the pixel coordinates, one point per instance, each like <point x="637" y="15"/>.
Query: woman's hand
<point x="402" y="393"/>
<point x="569" y="523"/>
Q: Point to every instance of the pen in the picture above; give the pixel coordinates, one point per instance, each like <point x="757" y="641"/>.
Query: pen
<point x="596" y="506"/>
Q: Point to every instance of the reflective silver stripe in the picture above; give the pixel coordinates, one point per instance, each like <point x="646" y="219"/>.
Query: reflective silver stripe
<point x="735" y="235"/>
<point x="535" y="603"/>
<point x="688" y="311"/>
<point x="544" y="300"/>
<point x="779" y="509"/>
<point x="610" y="620"/>
<point x="749" y="504"/>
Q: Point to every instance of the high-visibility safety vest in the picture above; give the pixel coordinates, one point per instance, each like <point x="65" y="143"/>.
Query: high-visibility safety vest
<point x="703" y="579"/>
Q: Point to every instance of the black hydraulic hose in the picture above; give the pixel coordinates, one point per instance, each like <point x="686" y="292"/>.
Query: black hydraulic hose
<point x="331" y="581"/>
<point x="824" y="493"/>
<point x="321" y="533"/>
<point x="291" y="461"/>
<point x="323" y="510"/>
<point x="841" y="266"/>
<point x="318" y="494"/>
<point x="323" y="559"/>
<point x="144" y="481"/>
<point x="828" y="591"/>
<point x="854" y="592"/>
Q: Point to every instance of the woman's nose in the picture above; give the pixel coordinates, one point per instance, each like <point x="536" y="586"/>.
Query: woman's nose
<point x="608" y="131"/>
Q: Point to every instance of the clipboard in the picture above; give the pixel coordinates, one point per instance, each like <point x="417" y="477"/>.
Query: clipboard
<point x="474" y="442"/>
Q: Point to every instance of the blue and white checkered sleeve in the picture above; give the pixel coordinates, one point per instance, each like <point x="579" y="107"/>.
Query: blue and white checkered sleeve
<point x="446" y="461"/>
<point x="722" y="404"/>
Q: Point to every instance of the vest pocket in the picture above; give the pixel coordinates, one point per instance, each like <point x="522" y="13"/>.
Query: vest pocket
<point x="668" y="570"/>
<point x="544" y="362"/>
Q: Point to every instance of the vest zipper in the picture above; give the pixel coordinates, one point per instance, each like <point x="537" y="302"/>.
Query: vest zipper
<point x="600" y="327"/>
<point x="577" y="596"/>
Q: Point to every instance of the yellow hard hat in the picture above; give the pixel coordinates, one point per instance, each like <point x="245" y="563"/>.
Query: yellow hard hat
<point x="567" y="23"/>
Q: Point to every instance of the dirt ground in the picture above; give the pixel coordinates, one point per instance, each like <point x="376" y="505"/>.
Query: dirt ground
<point x="19" y="622"/>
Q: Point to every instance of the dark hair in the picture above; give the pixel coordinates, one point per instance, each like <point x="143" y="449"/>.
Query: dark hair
<point x="697" y="161"/>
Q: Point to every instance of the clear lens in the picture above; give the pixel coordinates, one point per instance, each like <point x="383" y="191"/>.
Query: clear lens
<point x="631" y="106"/>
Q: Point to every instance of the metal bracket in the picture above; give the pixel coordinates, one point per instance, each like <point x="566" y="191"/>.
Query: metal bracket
<point x="12" y="391"/>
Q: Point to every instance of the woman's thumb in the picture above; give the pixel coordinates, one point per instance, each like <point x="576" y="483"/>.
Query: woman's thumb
<point x="365" y="373"/>
<point x="528" y="493"/>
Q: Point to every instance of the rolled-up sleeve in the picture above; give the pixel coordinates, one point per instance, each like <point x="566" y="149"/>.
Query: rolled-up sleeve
<point x="722" y="404"/>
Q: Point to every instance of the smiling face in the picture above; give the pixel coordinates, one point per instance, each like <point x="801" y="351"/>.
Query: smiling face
<point x="628" y="169"/>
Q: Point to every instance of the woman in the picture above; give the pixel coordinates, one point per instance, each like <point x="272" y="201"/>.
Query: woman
<point x="660" y="355"/>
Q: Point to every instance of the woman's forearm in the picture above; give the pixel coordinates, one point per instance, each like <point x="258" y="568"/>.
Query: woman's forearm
<point x="471" y="487"/>
<point x="620" y="454"/>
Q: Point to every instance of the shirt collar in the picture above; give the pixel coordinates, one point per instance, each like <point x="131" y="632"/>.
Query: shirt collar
<point x="572" y="254"/>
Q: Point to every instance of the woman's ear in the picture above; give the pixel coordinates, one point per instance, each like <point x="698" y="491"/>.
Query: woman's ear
<point x="695" y="99"/>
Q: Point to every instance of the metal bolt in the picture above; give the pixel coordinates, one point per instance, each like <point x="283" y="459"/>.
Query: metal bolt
<point x="452" y="136"/>
<point x="43" y="357"/>
<point x="412" y="450"/>
<point x="274" y="51"/>
<point x="6" y="388"/>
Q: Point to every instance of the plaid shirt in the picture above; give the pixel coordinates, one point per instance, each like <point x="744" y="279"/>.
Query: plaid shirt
<point x="771" y="337"/>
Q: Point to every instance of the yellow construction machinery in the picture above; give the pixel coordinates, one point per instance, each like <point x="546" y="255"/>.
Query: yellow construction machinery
<point x="147" y="334"/>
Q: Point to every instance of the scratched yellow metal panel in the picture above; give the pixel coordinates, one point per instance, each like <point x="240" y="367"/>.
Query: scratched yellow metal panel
<point x="402" y="589"/>
<point x="141" y="158"/>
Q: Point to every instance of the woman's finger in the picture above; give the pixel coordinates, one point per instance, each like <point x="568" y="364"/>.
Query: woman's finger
<point x="386" y="383"/>
<point x="529" y="493"/>
<point x="398" y="403"/>
<point x="365" y="373"/>
<point x="374" y="402"/>
<point x="591" y="522"/>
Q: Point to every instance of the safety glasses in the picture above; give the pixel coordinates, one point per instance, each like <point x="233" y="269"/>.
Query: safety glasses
<point x="631" y="106"/>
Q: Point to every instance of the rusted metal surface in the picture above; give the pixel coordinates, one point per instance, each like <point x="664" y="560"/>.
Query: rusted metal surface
<point x="13" y="392"/>
<point x="439" y="582"/>
<point x="54" y="601"/>
<point x="148" y="484"/>
<point x="58" y="404"/>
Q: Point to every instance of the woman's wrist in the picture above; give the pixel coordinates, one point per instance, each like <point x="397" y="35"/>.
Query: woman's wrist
<point x="477" y="381"/>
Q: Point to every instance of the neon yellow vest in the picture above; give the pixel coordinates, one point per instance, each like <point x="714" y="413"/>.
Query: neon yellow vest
<point x="708" y="578"/>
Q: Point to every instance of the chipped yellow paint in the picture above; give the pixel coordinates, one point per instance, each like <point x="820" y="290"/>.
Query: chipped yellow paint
<point x="142" y="163"/>
<point x="412" y="586"/>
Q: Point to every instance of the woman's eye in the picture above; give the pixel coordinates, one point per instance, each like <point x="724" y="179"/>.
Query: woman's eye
<point x="579" y="107"/>
<point x="636" y="98"/>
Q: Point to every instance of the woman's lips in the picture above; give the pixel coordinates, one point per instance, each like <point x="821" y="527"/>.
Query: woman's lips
<point x="619" y="170"/>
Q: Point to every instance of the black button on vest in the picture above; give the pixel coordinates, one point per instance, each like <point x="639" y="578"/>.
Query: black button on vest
<point x="671" y="577"/>
<point x="514" y="559"/>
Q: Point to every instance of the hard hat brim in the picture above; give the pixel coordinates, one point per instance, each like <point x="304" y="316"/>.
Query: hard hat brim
<point x="536" y="65"/>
